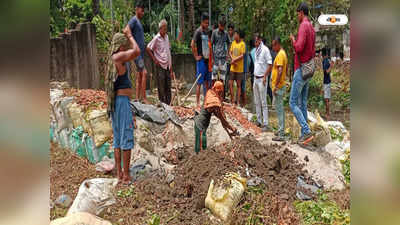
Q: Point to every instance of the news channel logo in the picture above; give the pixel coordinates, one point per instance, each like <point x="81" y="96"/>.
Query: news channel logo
<point x="333" y="20"/>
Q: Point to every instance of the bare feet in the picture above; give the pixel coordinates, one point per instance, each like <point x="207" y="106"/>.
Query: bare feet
<point x="126" y="180"/>
<point x="145" y="101"/>
<point x="119" y="176"/>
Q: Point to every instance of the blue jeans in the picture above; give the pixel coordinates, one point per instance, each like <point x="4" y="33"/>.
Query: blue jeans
<point x="298" y="101"/>
<point x="280" y="110"/>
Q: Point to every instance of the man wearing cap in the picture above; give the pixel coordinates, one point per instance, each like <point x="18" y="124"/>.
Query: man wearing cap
<point x="119" y="90"/>
<point x="212" y="105"/>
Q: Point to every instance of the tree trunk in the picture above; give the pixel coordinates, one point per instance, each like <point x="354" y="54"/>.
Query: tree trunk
<point x="96" y="7"/>
<point x="191" y="16"/>
<point x="182" y="16"/>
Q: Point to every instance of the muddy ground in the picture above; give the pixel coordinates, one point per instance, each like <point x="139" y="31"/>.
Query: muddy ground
<point x="182" y="200"/>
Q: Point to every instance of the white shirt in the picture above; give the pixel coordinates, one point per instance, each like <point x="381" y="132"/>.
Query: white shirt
<point x="161" y="50"/>
<point x="262" y="60"/>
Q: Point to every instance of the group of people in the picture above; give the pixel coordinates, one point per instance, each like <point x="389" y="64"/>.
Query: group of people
<point x="221" y="61"/>
<point x="221" y="56"/>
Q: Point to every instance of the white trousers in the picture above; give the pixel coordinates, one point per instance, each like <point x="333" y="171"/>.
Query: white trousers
<point x="260" y="100"/>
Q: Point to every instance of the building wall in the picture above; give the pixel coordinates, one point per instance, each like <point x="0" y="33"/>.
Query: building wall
<point x="73" y="57"/>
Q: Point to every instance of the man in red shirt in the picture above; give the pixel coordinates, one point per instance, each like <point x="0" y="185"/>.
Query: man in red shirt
<point x="304" y="47"/>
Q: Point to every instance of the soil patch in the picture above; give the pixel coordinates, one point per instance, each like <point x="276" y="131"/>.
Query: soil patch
<point x="181" y="200"/>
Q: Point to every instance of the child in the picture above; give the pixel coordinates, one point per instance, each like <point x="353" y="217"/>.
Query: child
<point x="237" y="51"/>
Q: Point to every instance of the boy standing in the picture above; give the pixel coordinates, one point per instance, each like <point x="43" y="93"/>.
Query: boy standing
<point x="326" y="65"/>
<point x="237" y="51"/>
<point x="201" y="53"/>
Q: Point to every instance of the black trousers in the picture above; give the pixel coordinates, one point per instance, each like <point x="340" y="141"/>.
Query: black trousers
<point x="164" y="85"/>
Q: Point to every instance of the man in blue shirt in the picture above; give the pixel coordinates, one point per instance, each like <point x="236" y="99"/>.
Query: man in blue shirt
<point x="135" y="28"/>
<point x="326" y="66"/>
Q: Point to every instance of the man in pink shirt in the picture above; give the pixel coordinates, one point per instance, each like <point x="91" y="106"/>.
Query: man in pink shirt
<point x="304" y="48"/>
<point x="159" y="50"/>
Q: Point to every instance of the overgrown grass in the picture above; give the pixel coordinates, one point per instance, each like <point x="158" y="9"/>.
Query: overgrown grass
<point x="322" y="211"/>
<point x="346" y="167"/>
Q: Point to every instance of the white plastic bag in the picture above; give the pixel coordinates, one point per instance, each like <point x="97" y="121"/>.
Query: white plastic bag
<point x="80" y="218"/>
<point x="222" y="200"/>
<point x="94" y="195"/>
<point x="106" y="165"/>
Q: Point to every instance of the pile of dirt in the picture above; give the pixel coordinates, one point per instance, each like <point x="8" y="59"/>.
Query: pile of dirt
<point x="185" y="195"/>
<point x="183" y="112"/>
<point x="237" y="114"/>
<point x="88" y="97"/>
<point x="178" y="198"/>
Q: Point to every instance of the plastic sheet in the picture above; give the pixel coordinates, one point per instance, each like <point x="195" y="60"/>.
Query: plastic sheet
<point x="94" y="196"/>
<point x="149" y="112"/>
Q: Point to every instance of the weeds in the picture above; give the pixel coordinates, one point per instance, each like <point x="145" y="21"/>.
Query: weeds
<point x="346" y="167"/>
<point x="336" y="135"/>
<point x="322" y="211"/>
<point x="126" y="193"/>
<point x="155" y="220"/>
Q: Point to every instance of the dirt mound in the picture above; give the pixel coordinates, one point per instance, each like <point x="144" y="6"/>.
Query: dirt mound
<point x="237" y="114"/>
<point x="194" y="172"/>
<point x="181" y="200"/>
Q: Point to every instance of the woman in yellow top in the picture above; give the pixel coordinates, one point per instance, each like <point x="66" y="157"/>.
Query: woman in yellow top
<point x="236" y="52"/>
<point x="278" y="86"/>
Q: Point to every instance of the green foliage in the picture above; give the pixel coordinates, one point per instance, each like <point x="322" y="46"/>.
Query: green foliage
<point x="335" y="135"/>
<point x="68" y="13"/>
<point x="103" y="31"/>
<point x="168" y="13"/>
<point x="322" y="211"/>
<point x="343" y="99"/>
<point x="126" y="193"/>
<point x="155" y="220"/>
<point x="346" y="167"/>
<point x="180" y="48"/>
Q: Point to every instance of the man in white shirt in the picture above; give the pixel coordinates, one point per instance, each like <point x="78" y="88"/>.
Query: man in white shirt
<point x="262" y="68"/>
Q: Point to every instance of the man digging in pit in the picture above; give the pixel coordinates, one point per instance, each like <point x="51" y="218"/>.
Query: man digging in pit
<point x="213" y="104"/>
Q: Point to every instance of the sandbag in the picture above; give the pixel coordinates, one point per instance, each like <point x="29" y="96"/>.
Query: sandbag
<point x="62" y="137"/>
<point x="321" y="130"/>
<point x="85" y="122"/>
<point x="95" y="154"/>
<point x="52" y="130"/>
<point x="80" y="218"/>
<point x="94" y="196"/>
<point x="149" y="112"/>
<point x="221" y="200"/>
<point x="61" y="113"/>
<point x="59" y="85"/>
<point x="76" y="141"/>
<point x="75" y="113"/>
<point x="100" y="126"/>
